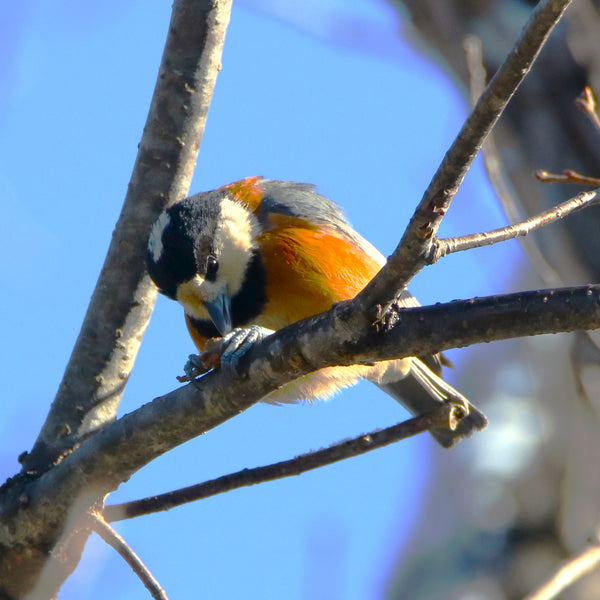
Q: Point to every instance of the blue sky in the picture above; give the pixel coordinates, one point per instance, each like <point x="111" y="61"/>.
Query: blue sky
<point x="329" y="95"/>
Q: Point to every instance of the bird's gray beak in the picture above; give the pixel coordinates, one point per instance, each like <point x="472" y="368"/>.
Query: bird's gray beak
<point x="219" y="310"/>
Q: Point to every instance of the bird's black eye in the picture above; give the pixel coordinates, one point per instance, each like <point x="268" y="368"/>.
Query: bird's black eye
<point x="212" y="266"/>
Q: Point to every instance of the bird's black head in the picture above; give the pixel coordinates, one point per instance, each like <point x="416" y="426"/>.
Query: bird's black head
<point x="180" y="239"/>
<point x="198" y="253"/>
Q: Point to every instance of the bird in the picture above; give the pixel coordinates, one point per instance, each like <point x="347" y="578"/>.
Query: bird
<point x="256" y="255"/>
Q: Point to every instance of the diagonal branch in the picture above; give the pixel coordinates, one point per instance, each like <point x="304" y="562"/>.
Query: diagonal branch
<point x="120" y="308"/>
<point x="411" y="254"/>
<point x="444" y="417"/>
<point x="113" y="539"/>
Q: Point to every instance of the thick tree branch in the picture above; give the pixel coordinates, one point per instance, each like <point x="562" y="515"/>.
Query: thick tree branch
<point x="101" y="463"/>
<point x="445" y="417"/>
<point x="113" y="539"/>
<point x="411" y="254"/>
<point x="121" y="304"/>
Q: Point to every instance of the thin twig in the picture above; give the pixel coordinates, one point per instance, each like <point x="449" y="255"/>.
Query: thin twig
<point x="568" y="574"/>
<point x="112" y="538"/>
<point x="567" y="176"/>
<point x="412" y="253"/>
<point x="587" y="104"/>
<point x="493" y="167"/>
<point x="446" y="416"/>
<point x="486" y="238"/>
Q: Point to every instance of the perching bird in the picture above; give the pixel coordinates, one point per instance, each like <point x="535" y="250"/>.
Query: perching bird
<point x="264" y="254"/>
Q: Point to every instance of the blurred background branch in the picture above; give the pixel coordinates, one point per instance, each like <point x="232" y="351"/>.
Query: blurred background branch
<point x="532" y="509"/>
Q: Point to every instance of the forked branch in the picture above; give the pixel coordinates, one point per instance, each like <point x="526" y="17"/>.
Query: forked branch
<point x="412" y="253"/>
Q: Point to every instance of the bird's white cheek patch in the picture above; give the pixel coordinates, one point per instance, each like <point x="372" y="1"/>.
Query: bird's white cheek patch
<point x="191" y="295"/>
<point x="234" y="240"/>
<point x="155" y="245"/>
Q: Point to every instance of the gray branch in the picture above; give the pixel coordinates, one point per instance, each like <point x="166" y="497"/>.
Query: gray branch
<point x="120" y="308"/>
<point x="38" y="507"/>
<point x="442" y="247"/>
<point x="446" y="416"/>
<point x="411" y="254"/>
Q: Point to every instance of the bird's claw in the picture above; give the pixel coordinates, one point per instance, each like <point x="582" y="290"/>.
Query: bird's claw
<point x="194" y="367"/>
<point x="237" y="343"/>
<point x="226" y="352"/>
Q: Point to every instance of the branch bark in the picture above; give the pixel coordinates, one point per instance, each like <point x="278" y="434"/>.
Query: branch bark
<point x="120" y="307"/>
<point x="109" y="458"/>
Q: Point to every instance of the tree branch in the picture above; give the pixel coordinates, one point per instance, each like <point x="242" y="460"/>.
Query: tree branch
<point x="36" y="507"/>
<point x="122" y="302"/>
<point x="109" y="458"/>
<point x="118" y="313"/>
<point x="445" y="417"/>
<point x="442" y="247"/>
<point x="411" y="254"/>
<point x="113" y="539"/>
<point x="567" y="176"/>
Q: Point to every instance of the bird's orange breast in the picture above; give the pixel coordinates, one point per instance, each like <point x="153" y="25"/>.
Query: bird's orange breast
<point x="308" y="270"/>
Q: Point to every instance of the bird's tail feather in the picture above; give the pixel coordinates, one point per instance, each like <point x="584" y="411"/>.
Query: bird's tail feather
<point x="422" y="390"/>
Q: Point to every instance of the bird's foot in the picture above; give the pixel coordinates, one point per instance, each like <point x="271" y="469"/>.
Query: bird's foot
<point x="193" y="368"/>
<point x="225" y="352"/>
<point x="236" y="344"/>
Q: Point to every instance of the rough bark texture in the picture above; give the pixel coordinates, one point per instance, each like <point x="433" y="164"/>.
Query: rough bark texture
<point x="517" y="521"/>
<point x="122" y="302"/>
